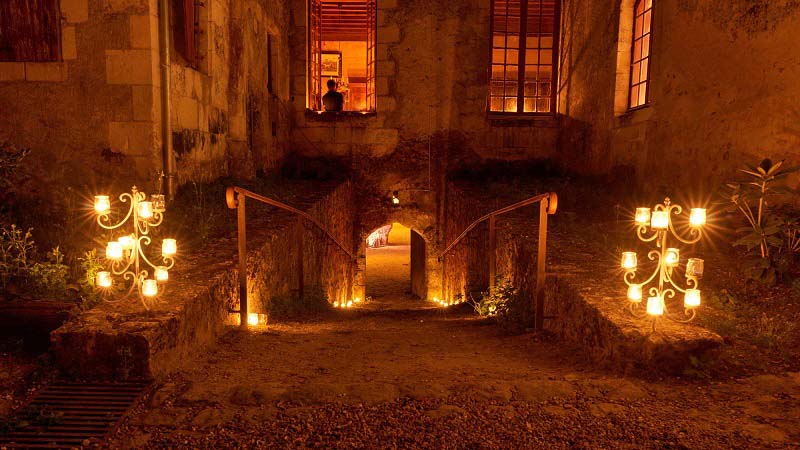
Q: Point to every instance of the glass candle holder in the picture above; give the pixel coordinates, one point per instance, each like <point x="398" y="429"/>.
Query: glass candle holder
<point x="103" y="279"/>
<point x="252" y="319"/>
<point x="654" y="306"/>
<point x="145" y="210"/>
<point x="126" y="242"/>
<point x="159" y="203"/>
<point x="169" y="247"/>
<point x="628" y="260"/>
<point x="672" y="257"/>
<point x="659" y="220"/>
<point x="697" y="217"/>
<point x="692" y="298"/>
<point x="642" y="216"/>
<point x="694" y="268"/>
<point x="102" y="204"/>
<point x="161" y="274"/>
<point x="114" y="250"/>
<point x="149" y="288"/>
<point x="635" y="293"/>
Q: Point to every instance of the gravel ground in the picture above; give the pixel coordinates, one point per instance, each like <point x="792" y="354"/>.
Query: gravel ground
<point x="401" y="373"/>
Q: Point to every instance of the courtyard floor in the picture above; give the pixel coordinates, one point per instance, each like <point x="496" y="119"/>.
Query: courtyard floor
<point x="401" y="373"/>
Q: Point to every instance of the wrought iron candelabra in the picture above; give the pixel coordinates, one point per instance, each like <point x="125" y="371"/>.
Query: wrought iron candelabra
<point x="127" y="254"/>
<point x="661" y="300"/>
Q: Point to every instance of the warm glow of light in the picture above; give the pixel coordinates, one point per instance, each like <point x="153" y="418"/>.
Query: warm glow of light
<point x="629" y="260"/>
<point x="692" y="298"/>
<point x="161" y="273"/>
<point x="694" y="267"/>
<point x="335" y="304"/>
<point x="149" y="288"/>
<point x="654" y="306"/>
<point x="635" y="293"/>
<point x="659" y="220"/>
<point x="126" y="242"/>
<point x="395" y="200"/>
<point x="672" y="258"/>
<point x="252" y="319"/>
<point x="169" y="247"/>
<point x="349" y="303"/>
<point x="159" y="203"/>
<point x="145" y="210"/>
<point x="697" y="217"/>
<point x="114" y="250"/>
<point x="357" y="300"/>
<point x="642" y="216"/>
<point x="103" y="279"/>
<point x="102" y="204"/>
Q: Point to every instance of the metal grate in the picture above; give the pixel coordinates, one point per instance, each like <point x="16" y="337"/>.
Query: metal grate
<point x="78" y="411"/>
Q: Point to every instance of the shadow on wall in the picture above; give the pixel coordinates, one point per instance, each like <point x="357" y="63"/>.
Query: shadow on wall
<point x="322" y="168"/>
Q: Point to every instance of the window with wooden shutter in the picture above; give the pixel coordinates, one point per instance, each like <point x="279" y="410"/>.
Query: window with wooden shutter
<point x="185" y="31"/>
<point x="640" y="54"/>
<point x="30" y="30"/>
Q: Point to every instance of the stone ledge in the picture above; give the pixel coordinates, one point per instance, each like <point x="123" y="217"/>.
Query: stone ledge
<point x="122" y="341"/>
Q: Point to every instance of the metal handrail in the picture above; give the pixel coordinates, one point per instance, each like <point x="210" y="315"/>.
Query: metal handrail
<point x="548" y="204"/>
<point x="235" y="198"/>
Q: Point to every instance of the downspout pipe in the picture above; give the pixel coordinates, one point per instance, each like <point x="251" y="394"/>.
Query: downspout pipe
<point x="167" y="154"/>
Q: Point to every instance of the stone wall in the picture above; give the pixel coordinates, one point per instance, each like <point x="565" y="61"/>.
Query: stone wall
<point x="94" y="118"/>
<point x="725" y="76"/>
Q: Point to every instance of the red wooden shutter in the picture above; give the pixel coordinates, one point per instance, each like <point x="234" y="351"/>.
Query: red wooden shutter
<point x="315" y="55"/>
<point x="30" y="30"/>
<point x="183" y="30"/>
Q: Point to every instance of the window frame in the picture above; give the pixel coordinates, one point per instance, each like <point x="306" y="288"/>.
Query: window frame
<point x="185" y="32"/>
<point x="521" y="64"/>
<point x="634" y="39"/>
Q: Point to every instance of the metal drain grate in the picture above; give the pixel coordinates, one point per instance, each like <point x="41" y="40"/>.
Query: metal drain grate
<point x="78" y="411"/>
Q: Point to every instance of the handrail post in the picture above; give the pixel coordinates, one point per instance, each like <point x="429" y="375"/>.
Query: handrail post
<point x="492" y="252"/>
<point x="242" y="244"/>
<point x="300" y="276"/>
<point x="541" y="261"/>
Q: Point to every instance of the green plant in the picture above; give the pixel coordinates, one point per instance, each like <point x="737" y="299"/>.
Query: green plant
<point x="766" y="234"/>
<point x="505" y="304"/>
<point x="49" y="278"/>
<point x="16" y="247"/>
<point x="770" y="331"/>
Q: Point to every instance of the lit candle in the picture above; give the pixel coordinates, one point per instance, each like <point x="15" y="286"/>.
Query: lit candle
<point x="114" y="250"/>
<point x="659" y="220"/>
<point x="102" y="204"/>
<point x="694" y="267"/>
<point x="697" y="217"/>
<point x="349" y="303"/>
<point x="692" y="298"/>
<point x="642" y="216"/>
<point x="149" y="288"/>
<point x="252" y="319"/>
<point x="126" y="242"/>
<point x="635" y="293"/>
<point x="335" y="304"/>
<point x="629" y="260"/>
<point x="654" y="306"/>
<point x="161" y="273"/>
<point x="159" y="204"/>
<point x="145" y="210"/>
<point x="672" y="258"/>
<point x="103" y="279"/>
<point x="169" y="247"/>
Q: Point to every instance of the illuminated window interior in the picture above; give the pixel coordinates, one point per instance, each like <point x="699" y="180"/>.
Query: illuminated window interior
<point x="640" y="58"/>
<point x="342" y="48"/>
<point x="524" y="56"/>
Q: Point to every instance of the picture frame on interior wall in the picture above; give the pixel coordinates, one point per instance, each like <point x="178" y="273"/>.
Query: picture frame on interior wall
<point x="331" y="63"/>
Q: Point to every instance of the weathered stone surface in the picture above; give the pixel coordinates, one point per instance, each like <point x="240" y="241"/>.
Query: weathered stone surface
<point x="445" y="411"/>
<point x="543" y="390"/>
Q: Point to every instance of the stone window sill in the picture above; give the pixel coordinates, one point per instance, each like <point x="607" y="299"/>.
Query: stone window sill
<point x="337" y="116"/>
<point x="535" y="120"/>
<point x="635" y="115"/>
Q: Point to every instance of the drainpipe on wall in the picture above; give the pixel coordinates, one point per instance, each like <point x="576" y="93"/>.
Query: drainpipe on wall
<point x="168" y="156"/>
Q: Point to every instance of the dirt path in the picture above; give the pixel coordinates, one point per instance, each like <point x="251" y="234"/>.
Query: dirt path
<point x="400" y="373"/>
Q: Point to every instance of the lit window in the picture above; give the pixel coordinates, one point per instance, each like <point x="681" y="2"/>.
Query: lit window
<point x="523" y="71"/>
<point x="342" y="48"/>
<point x="30" y="30"/>
<point x="640" y="56"/>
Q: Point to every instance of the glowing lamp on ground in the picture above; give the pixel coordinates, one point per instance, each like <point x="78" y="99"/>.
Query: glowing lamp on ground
<point x="103" y="279"/>
<point x="692" y="298"/>
<point x="357" y="300"/>
<point x="629" y="260"/>
<point x="395" y="198"/>
<point x="349" y="303"/>
<point x="654" y="306"/>
<point x="145" y="210"/>
<point x="114" y="250"/>
<point x="673" y="257"/>
<point x="659" y="220"/>
<point x="159" y="203"/>
<point x="161" y="273"/>
<point x="694" y="267"/>
<point x="252" y="319"/>
<point x="642" y="216"/>
<point x="335" y="304"/>
<point x="126" y="242"/>
<point x="102" y="204"/>
<point x="149" y="288"/>
<point x="697" y="217"/>
<point x="635" y="293"/>
<point x="169" y="247"/>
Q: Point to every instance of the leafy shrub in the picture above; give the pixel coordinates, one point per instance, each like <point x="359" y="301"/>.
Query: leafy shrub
<point x="16" y="248"/>
<point x="505" y="304"/>
<point x="49" y="278"/>
<point x="313" y="301"/>
<point x="771" y="237"/>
